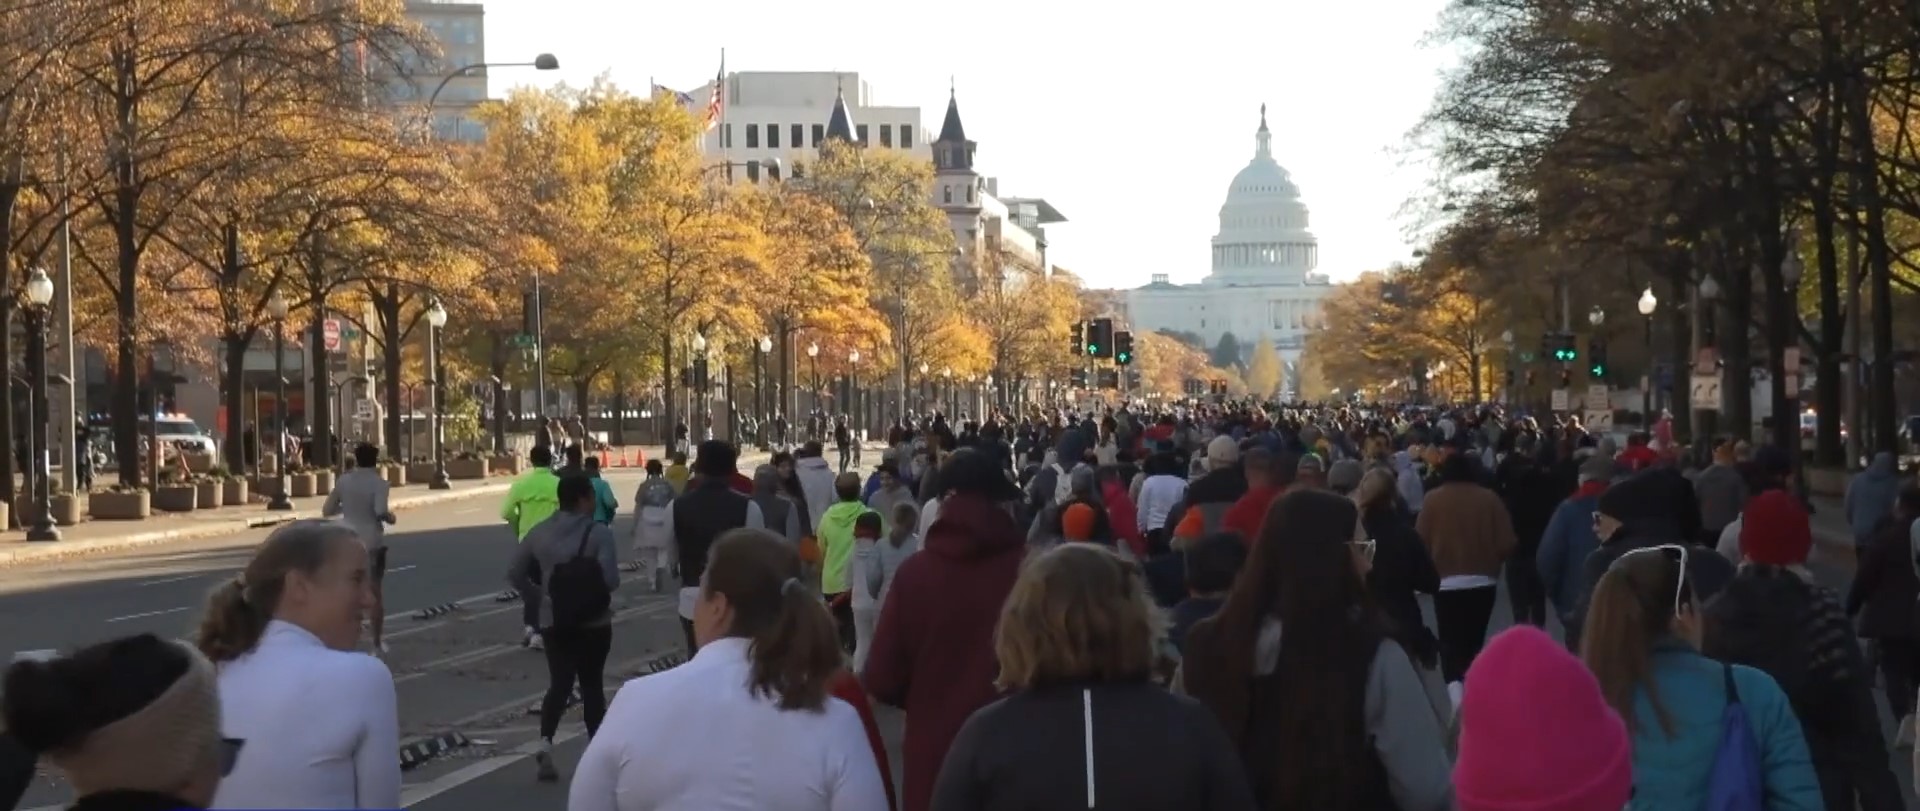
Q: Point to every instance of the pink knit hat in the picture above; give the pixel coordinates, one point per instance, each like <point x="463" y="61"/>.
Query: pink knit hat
<point x="1536" y="734"/>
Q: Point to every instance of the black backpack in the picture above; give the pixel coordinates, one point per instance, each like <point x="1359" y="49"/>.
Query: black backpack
<point x="577" y="588"/>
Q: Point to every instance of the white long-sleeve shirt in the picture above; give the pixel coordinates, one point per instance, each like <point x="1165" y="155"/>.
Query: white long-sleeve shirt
<point x="749" y="755"/>
<point x="359" y="500"/>
<point x="322" y="726"/>
<point x="1157" y="497"/>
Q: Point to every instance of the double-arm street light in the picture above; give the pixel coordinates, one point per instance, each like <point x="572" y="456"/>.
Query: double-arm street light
<point x="541" y="62"/>
<point x="1646" y="305"/>
<point x="277" y="309"/>
<point x="436" y="319"/>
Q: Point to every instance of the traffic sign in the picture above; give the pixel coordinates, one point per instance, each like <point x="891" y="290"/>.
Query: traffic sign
<point x="331" y="331"/>
<point x="363" y="409"/>
<point x="1598" y="397"/>
<point x="1560" y="398"/>
<point x="1598" y="420"/>
<point x="1704" y="393"/>
<point x="1706" y="361"/>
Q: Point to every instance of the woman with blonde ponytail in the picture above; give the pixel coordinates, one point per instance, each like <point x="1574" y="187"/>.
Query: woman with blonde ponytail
<point x="285" y="635"/>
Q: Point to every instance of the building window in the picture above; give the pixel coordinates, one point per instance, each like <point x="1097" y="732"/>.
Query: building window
<point x="969" y="194"/>
<point x="819" y="133"/>
<point x="886" y="135"/>
<point x="946" y="193"/>
<point x="753" y="170"/>
<point x="860" y="133"/>
<point x="906" y="136"/>
<point x="799" y="135"/>
<point x="753" y="136"/>
<point x="773" y="136"/>
<point x="726" y="136"/>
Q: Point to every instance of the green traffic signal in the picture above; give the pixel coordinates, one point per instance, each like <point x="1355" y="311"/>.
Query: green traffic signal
<point x="1093" y="349"/>
<point x="1597" y="370"/>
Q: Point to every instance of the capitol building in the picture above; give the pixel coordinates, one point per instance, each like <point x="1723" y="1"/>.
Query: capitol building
<point x="1262" y="283"/>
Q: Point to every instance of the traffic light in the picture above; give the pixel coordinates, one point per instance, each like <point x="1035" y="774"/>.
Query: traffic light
<point x="1596" y="358"/>
<point x="1123" y="348"/>
<point x="1100" y="338"/>
<point x="1110" y="378"/>
<point x="1079" y="337"/>
<point x="1080" y="378"/>
<point x="1564" y="349"/>
<point x="1566" y="378"/>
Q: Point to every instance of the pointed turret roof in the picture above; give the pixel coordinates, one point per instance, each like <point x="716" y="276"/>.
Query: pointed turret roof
<point x="950" y="129"/>
<point x="840" y="121"/>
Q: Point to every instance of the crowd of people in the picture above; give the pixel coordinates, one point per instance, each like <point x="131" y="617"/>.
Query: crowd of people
<point x="1202" y="606"/>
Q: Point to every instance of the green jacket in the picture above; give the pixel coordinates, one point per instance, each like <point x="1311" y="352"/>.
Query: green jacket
<point x="836" y="544"/>
<point x="534" y="497"/>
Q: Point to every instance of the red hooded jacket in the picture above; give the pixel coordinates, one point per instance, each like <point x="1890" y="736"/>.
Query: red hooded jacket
<point x="847" y="688"/>
<point x="1124" y="517"/>
<point x="933" y="646"/>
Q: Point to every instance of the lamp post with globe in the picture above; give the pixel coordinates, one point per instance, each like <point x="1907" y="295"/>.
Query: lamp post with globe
<point x="39" y="295"/>
<point x="1646" y="305"/>
<point x="277" y="309"/>
<point x="437" y="320"/>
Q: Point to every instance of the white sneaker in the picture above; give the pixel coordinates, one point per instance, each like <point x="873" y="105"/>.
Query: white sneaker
<point x="534" y="642"/>
<point x="1903" y="738"/>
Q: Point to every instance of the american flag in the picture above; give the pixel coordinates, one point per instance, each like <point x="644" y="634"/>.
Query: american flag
<point x="684" y="99"/>
<point x="718" y="99"/>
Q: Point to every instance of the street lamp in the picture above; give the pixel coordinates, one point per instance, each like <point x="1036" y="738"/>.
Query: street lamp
<point x="853" y="388"/>
<point x="277" y="310"/>
<point x="541" y="62"/>
<point x="1596" y="316"/>
<point x="436" y="320"/>
<point x="1709" y="293"/>
<point x="813" y="367"/>
<point x="39" y="294"/>
<point x="1646" y="305"/>
<point x="760" y="377"/>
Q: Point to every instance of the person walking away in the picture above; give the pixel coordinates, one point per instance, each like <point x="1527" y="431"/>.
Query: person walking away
<point x="816" y="483"/>
<point x="1214" y="492"/>
<point x="708" y="509"/>
<point x="652" y="532"/>
<point x="1536" y="733"/>
<point x="1637" y="513"/>
<point x="1324" y="708"/>
<point x="1642" y="642"/>
<point x="1721" y="491"/>
<point x="862" y="598"/>
<point x="893" y="491"/>
<point x="678" y="473"/>
<point x="1773" y="616"/>
<point x="1870" y="497"/>
<point x="1469" y="534"/>
<point x="774" y="738"/>
<point x="359" y="500"/>
<point x="874" y="566"/>
<point x="1884" y="595"/>
<point x="1769" y="469"/>
<point x="1344" y="476"/>
<point x="1412" y="486"/>
<point x="605" y="505"/>
<point x="1076" y="647"/>
<point x="285" y="634"/>
<point x="133" y="724"/>
<point x="933" y="650"/>
<point x="1212" y="563"/>
<point x="1268" y="475"/>
<point x="576" y="557"/>
<point x="839" y="534"/>
<point x="843" y="442"/>
<point x="1401" y="571"/>
<point x="1122" y="517"/>
<point x="534" y="496"/>
<point x="1567" y="542"/>
<point x="781" y="514"/>
<point x="1530" y="494"/>
<point x="1164" y="487"/>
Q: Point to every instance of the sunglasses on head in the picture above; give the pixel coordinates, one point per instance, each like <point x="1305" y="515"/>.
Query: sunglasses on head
<point x="1674" y="552"/>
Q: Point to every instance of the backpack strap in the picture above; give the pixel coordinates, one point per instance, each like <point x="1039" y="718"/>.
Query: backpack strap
<point x="584" y="537"/>
<point x="1732" y="691"/>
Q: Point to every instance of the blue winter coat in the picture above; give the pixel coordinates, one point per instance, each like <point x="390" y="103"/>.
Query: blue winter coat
<point x="1564" y="548"/>
<point x="1670" y="772"/>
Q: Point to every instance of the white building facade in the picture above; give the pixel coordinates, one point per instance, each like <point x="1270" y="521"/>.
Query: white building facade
<point x="459" y="31"/>
<point x="984" y="223"/>
<point x="784" y="115"/>
<point x="1262" y="284"/>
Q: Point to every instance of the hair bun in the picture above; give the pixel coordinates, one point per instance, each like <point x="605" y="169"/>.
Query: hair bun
<point x="40" y="707"/>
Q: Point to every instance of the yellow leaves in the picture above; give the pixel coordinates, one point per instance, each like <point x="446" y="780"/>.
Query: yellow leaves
<point x="1264" y="370"/>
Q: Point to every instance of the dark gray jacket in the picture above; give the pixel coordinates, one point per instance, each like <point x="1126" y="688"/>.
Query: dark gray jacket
<point x="555" y="541"/>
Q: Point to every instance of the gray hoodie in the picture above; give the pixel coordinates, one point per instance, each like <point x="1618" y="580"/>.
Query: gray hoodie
<point x="555" y="541"/>
<point x="1870" y="496"/>
<point x="781" y="515"/>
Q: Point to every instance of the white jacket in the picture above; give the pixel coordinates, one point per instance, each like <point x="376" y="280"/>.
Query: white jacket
<point x="816" y="483"/>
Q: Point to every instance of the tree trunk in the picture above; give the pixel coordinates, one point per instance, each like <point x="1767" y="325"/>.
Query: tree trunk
<point x="667" y="397"/>
<point x="9" y="196"/>
<point x="1880" y="390"/>
<point x="232" y="382"/>
<point x="582" y="387"/>
<point x="1828" y="450"/>
<point x="387" y="309"/>
<point x="497" y="366"/>
<point x="618" y="433"/>
<point x="319" y="415"/>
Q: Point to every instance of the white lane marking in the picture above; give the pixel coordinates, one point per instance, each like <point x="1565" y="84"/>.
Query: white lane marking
<point x="412" y="796"/>
<point x="145" y="614"/>
<point x="399" y="569"/>
<point x="172" y="579"/>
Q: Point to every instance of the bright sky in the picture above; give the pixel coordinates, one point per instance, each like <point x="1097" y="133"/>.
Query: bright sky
<point x="1129" y="120"/>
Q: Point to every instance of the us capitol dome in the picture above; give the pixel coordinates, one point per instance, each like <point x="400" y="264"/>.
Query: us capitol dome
<point x="1262" y="282"/>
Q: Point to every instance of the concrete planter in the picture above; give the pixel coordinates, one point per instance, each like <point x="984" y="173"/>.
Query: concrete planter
<point x="322" y="482"/>
<point x="300" y="485"/>
<point x="466" y="469"/>
<point x="68" y="509"/>
<point x="199" y="462"/>
<point x="1826" y="481"/>
<point x="120" y="506"/>
<point x="234" y="491"/>
<point x="208" y="494"/>
<point x="266" y="485"/>
<point x="396" y="475"/>
<point x="505" y="465"/>
<point x="176" y="498"/>
<point x="420" y="472"/>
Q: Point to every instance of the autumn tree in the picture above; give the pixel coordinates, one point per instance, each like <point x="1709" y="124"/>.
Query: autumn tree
<point x="1264" y="370"/>
<point x="812" y="280"/>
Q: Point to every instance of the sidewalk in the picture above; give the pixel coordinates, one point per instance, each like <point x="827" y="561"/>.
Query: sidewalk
<point x="100" y="537"/>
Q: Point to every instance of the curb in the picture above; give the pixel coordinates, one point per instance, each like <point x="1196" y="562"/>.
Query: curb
<point x="436" y="611"/>
<point x="422" y="750"/>
<point x="23" y="553"/>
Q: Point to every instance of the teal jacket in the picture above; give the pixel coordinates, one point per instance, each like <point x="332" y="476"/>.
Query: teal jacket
<point x="604" y="504"/>
<point x="1671" y="772"/>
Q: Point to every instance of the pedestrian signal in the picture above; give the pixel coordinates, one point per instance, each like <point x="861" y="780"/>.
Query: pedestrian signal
<point x="1123" y="348"/>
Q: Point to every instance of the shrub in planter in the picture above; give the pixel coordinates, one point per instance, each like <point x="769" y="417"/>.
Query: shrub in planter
<point x="176" y="497"/>
<point x="208" y="494"/>
<point x="420" y="472"/>
<point x="120" y="503"/>
<point x="300" y="483"/>
<point x="505" y="464"/>
<point x="467" y="465"/>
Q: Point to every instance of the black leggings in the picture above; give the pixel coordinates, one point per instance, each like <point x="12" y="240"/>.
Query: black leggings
<point x="576" y="654"/>
<point x="1900" y="670"/>
<point x="1462" y="615"/>
<point x="1525" y="591"/>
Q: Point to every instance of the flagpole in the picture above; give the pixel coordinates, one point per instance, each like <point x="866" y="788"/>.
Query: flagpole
<point x="720" y="87"/>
